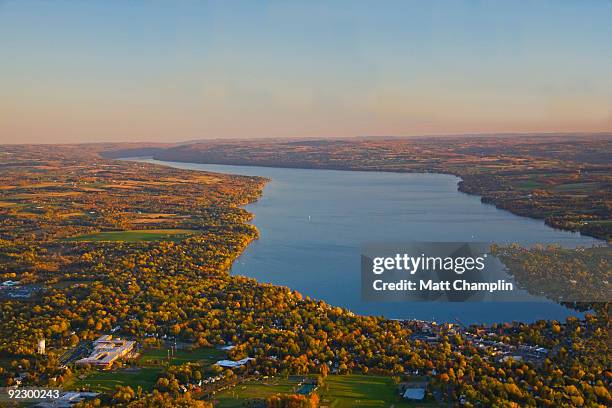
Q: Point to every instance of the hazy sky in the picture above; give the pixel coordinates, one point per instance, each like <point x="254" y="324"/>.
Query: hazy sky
<point x="166" y="70"/>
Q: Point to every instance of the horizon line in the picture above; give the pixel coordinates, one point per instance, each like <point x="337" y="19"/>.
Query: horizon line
<point x="311" y="138"/>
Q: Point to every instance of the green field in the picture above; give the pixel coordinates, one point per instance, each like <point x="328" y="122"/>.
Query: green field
<point x="528" y="185"/>
<point x="158" y="356"/>
<point x="137" y="235"/>
<point x="577" y="187"/>
<point x="341" y="391"/>
<point x="237" y="396"/>
<point x="338" y="391"/>
<point x="105" y="381"/>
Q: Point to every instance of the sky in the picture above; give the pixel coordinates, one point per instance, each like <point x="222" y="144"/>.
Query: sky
<point x="91" y="71"/>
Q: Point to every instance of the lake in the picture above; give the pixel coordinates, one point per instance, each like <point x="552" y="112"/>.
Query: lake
<point x="314" y="222"/>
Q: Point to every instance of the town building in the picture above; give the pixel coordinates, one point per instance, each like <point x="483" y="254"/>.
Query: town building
<point x="106" y="351"/>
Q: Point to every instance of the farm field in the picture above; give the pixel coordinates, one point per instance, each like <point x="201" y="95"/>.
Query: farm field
<point x="136" y="235"/>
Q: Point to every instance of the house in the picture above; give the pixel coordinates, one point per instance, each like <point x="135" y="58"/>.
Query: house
<point x="106" y="351"/>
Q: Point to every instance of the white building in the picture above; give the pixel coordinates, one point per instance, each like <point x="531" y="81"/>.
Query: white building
<point x="233" y="364"/>
<point x="107" y="350"/>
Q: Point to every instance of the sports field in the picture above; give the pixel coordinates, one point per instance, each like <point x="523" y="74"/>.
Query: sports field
<point x="159" y="356"/>
<point x="238" y="396"/>
<point x="105" y="381"/>
<point x="338" y="391"/>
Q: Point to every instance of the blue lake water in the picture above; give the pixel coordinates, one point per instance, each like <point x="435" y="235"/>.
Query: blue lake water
<point x="313" y="224"/>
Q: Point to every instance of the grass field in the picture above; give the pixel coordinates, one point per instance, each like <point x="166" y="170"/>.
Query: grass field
<point x="528" y="184"/>
<point x="137" y="235"/>
<point x="338" y="391"/>
<point x="577" y="187"/>
<point x="205" y="356"/>
<point x="237" y="396"/>
<point x="105" y="381"/>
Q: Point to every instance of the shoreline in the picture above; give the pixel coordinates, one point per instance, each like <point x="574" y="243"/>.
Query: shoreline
<point x="288" y="286"/>
<point x="460" y="185"/>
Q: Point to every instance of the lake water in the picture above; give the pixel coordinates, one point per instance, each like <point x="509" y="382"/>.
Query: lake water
<point x="314" y="222"/>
